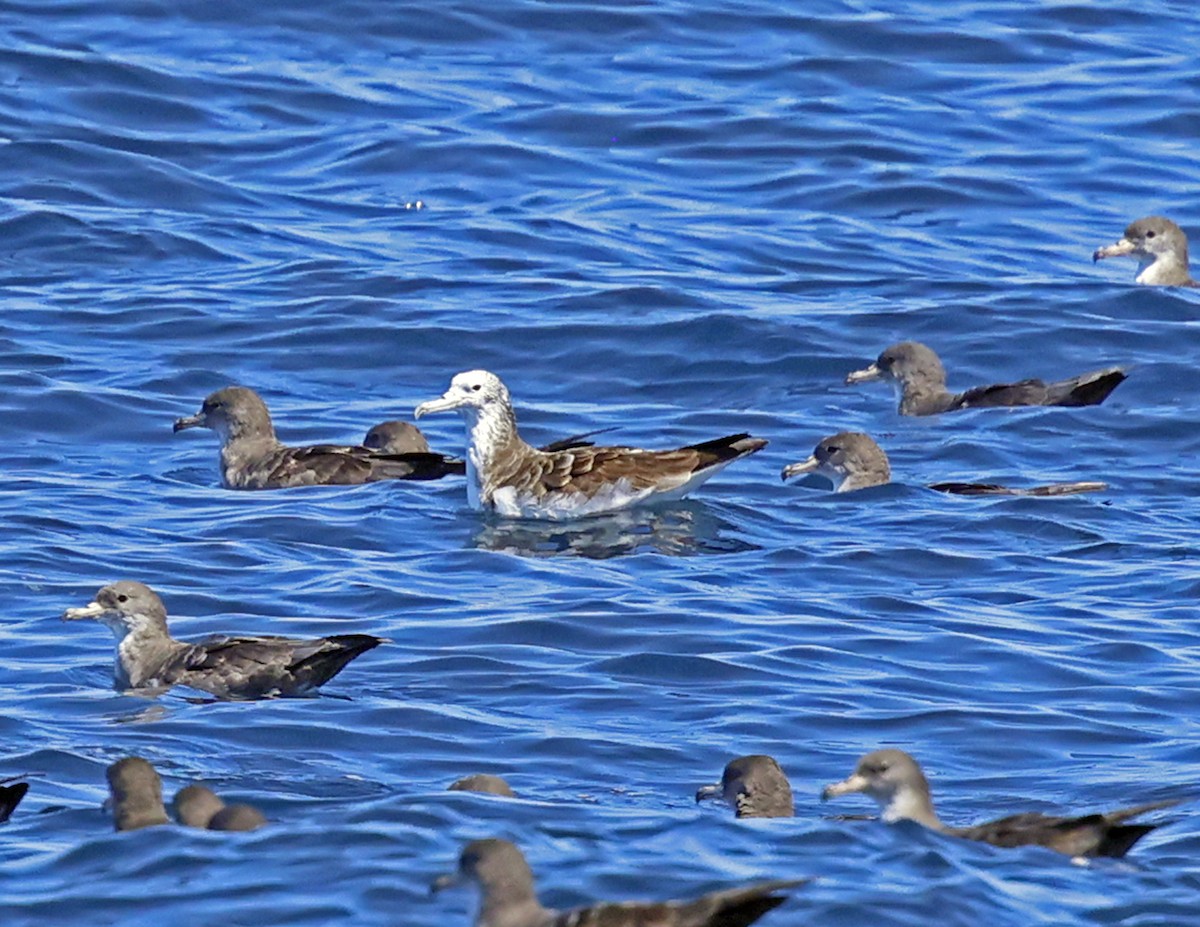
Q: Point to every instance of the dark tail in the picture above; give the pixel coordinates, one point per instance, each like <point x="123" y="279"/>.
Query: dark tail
<point x="416" y="466"/>
<point x="995" y="489"/>
<point x="730" y="447"/>
<point x="1090" y="389"/>
<point x="10" y="797"/>
<point x="339" y="649"/>
<point x="738" y="907"/>
<point x="1120" y="837"/>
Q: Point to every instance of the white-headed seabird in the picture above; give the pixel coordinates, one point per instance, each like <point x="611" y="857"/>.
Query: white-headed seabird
<point x="507" y="475"/>
<point x="919" y="376"/>
<point x="852" y="460"/>
<point x="197" y="806"/>
<point x="227" y="667"/>
<point x="896" y="782"/>
<point x="508" y="897"/>
<point x="1161" y="248"/>
<point x="754" y="786"/>
<point x="136" y="794"/>
<point x="253" y="458"/>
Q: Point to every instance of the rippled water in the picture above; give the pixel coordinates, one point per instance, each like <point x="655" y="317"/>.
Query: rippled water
<point x="677" y="220"/>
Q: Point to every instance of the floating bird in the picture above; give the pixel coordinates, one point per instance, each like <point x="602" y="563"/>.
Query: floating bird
<point x="920" y="378"/>
<point x="11" y="793"/>
<point x="253" y="458"/>
<point x="227" y="667"/>
<point x="508" y="898"/>
<point x="197" y="806"/>
<point x="852" y="460"/>
<point x="755" y="786"/>
<point x="1161" y="248"/>
<point x="482" y="782"/>
<point x="896" y="782"/>
<point x="136" y="792"/>
<point x="508" y="476"/>
<point x="396" y="437"/>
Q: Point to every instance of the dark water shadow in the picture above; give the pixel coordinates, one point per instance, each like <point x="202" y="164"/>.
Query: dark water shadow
<point x="682" y="530"/>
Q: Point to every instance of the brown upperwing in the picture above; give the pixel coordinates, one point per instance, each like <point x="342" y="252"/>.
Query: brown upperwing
<point x="735" y="907"/>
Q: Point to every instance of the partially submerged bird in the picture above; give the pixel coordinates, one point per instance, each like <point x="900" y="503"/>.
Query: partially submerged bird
<point x="896" y="782"/>
<point x="11" y="793"/>
<point x="136" y="794"/>
<point x="227" y="667"/>
<point x="482" y="782"/>
<point x="396" y="437"/>
<point x="507" y="475"/>
<point x="253" y="458"/>
<point x="197" y="806"/>
<point x="1161" y="249"/>
<point x="508" y="898"/>
<point x="754" y="786"/>
<point x="852" y="460"/>
<point x="920" y="378"/>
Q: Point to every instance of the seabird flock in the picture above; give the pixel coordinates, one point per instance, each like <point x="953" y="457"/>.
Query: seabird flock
<point x="576" y="478"/>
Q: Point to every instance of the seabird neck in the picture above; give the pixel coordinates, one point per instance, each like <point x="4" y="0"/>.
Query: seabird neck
<point x="491" y="437"/>
<point x="141" y="650"/>
<point x="912" y="804"/>
<point x="1166" y="269"/>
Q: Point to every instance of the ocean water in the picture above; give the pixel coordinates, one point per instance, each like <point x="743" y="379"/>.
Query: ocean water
<point x="674" y="220"/>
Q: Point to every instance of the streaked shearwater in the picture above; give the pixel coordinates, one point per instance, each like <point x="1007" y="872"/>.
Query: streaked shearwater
<point x="136" y="794"/>
<point x="253" y="458"/>
<point x="228" y="667"/>
<point x="10" y="797"/>
<point x="754" y="786"/>
<point x="482" y="782"/>
<point x="896" y="782"/>
<point x="1161" y="248"/>
<point x="852" y="460"/>
<point x="920" y="378"/>
<point x="198" y="806"/>
<point x="508" y="476"/>
<point x="508" y="897"/>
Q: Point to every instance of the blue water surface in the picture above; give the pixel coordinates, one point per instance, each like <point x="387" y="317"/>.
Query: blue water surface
<point x="676" y="220"/>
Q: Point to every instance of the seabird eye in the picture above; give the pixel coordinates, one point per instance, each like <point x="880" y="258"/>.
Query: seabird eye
<point x="832" y="448"/>
<point x="1150" y="234"/>
<point x="477" y="387"/>
<point x="122" y="598"/>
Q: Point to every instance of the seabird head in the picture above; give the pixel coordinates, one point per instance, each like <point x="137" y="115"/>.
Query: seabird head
<point x="907" y="363"/>
<point x="895" y="781"/>
<point x="499" y="870"/>
<point x="233" y="412"/>
<point x="471" y="393"/>
<point x="848" y="459"/>
<point x="1152" y="240"/>
<point x="396" y="437"/>
<point x="482" y="782"/>
<point x="136" y="793"/>
<point x="125" y="607"/>
<point x="754" y="786"/>
<point x="195" y="805"/>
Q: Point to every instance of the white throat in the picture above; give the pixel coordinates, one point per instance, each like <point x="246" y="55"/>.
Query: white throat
<point x="488" y="428"/>
<point x="1159" y="269"/>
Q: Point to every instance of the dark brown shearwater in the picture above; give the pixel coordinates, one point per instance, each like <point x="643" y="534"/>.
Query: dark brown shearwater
<point x="754" y="786"/>
<point x="508" y="898"/>
<point x="1161" y="248"/>
<point x="136" y="792"/>
<point x="921" y="379"/>
<point x="852" y="460"/>
<point x="508" y="476"/>
<point x="896" y="782"/>
<point x="253" y="458"/>
<point x="228" y="667"/>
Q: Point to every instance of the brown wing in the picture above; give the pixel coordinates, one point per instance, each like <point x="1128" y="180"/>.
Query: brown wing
<point x="333" y="465"/>
<point x="736" y="907"/>
<point x="1085" y="835"/>
<point x="995" y="489"/>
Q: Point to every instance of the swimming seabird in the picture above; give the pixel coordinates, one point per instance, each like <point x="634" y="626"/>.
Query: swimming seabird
<point x="754" y="786"/>
<point x="197" y="806"/>
<point x="482" y="782"/>
<point x="136" y="794"/>
<point x="918" y="374"/>
<point x="508" y="898"/>
<point x="253" y="458"/>
<point x="396" y="437"/>
<point x="1161" y="248"/>
<point x="852" y="460"/>
<point x="896" y="782"/>
<point x="11" y="793"/>
<point x="508" y="476"/>
<point x="228" y="667"/>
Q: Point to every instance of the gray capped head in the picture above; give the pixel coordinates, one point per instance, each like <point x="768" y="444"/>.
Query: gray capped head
<point x="754" y="786"/>
<point x="1160" y="248"/>
<point x="234" y="413"/>
<point x="849" y="459"/>
<point x="125" y="607"/>
<point x="136" y="794"/>
<point x="396" y="437"/>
